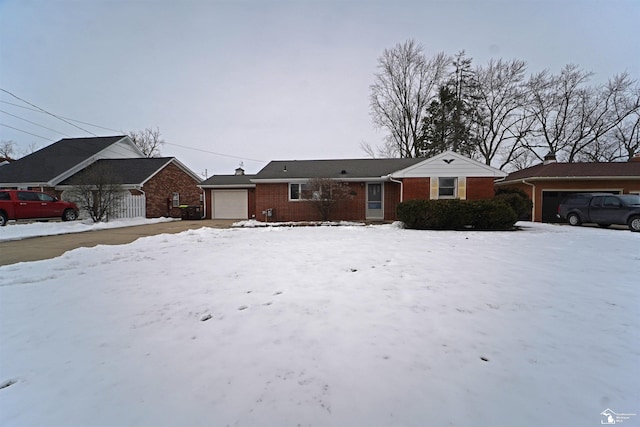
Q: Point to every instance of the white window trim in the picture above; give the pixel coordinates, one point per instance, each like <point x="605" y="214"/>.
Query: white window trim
<point x="175" y="200"/>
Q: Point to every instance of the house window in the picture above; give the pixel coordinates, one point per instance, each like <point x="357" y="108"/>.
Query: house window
<point x="298" y="191"/>
<point x="175" y="200"/>
<point x="447" y="188"/>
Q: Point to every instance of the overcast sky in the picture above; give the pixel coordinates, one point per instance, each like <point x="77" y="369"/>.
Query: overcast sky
<point x="263" y="79"/>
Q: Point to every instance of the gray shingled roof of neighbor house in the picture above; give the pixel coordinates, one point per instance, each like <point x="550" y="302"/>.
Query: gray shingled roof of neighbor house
<point x="123" y="171"/>
<point x="53" y="160"/>
<point x="228" y="181"/>
<point x="340" y="169"/>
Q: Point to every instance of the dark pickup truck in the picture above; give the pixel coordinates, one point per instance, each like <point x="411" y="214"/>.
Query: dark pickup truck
<point x="26" y="204"/>
<point x="603" y="209"/>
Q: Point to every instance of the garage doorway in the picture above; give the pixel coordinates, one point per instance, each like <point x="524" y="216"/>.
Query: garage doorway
<point x="551" y="200"/>
<point x="230" y="204"/>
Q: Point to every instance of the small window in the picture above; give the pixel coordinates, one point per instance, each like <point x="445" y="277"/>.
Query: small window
<point x="294" y="191"/>
<point x="175" y="200"/>
<point x="298" y="191"/>
<point x="4" y="195"/>
<point x="447" y="188"/>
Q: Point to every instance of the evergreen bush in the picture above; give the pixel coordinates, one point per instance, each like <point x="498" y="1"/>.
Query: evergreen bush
<point x="489" y="214"/>
<point x="518" y="200"/>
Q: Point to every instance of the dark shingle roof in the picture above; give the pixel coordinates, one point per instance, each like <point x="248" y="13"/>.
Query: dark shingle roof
<point x="53" y="160"/>
<point x="228" y="180"/>
<point x="353" y="168"/>
<point x="124" y="171"/>
<point x="577" y="170"/>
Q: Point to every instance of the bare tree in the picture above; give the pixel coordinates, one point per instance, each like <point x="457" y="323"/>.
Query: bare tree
<point x="404" y="85"/>
<point x="148" y="141"/>
<point x="603" y="108"/>
<point x="555" y="104"/>
<point x="522" y="159"/>
<point x="325" y="194"/>
<point x="573" y="119"/>
<point x="96" y="191"/>
<point x="7" y="149"/>
<point x="500" y="120"/>
<point x="627" y="136"/>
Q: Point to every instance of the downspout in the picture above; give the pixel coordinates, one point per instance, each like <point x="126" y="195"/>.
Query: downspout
<point x="145" y="200"/>
<point x="204" y="203"/>
<point x="533" y="200"/>
<point x="401" y="186"/>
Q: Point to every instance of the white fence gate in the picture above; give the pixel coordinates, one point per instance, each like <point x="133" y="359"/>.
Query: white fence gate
<point x="131" y="206"/>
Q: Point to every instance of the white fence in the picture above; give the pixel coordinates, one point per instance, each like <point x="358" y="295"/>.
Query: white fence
<point x="131" y="206"/>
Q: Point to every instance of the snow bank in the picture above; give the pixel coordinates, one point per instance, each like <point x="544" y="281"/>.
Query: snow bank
<point x="18" y="231"/>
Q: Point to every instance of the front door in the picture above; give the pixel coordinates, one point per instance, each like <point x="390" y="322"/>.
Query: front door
<point x="375" y="208"/>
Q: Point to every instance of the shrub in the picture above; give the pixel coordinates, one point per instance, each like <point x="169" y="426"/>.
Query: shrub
<point x="490" y="214"/>
<point x="518" y="200"/>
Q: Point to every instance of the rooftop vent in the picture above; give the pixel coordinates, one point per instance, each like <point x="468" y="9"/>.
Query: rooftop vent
<point x="239" y="171"/>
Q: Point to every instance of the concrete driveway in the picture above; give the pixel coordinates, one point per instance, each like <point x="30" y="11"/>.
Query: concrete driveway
<point x="37" y="248"/>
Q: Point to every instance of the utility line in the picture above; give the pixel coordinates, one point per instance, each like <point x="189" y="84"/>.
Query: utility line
<point x="34" y="123"/>
<point x="217" y="154"/>
<point x="68" y="118"/>
<point x="45" y="111"/>
<point x="40" y="110"/>
<point x="24" y="131"/>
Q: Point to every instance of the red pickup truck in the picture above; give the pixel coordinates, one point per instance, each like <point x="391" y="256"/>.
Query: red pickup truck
<point x="26" y="204"/>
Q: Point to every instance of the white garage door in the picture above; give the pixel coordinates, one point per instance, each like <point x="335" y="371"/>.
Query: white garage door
<point x="230" y="204"/>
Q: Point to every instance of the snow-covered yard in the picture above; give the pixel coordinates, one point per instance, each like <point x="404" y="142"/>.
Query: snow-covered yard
<point x="326" y="326"/>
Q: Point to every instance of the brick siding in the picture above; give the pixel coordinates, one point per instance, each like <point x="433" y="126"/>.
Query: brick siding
<point x="276" y="197"/>
<point x="480" y="188"/>
<point x="416" y="188"/>
<point x="159" y="192"/>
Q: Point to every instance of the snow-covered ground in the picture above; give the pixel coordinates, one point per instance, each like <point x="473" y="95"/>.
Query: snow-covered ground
<point x="21" y="230"/>
<point x="326" y="326"/>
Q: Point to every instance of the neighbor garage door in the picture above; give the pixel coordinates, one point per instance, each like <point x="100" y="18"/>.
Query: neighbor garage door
<point x="230" y="204"/>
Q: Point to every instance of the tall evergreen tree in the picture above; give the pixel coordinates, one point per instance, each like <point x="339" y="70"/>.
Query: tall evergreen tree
<point x="447" y="122"/>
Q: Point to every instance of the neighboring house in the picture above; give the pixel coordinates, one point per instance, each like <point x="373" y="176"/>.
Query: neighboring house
<point x="548" y="183"/>
<point x="229" y="196"/>
<point x="377" y="186"/>
<point x="155" y="186"/>
<point x="5" y="161"/>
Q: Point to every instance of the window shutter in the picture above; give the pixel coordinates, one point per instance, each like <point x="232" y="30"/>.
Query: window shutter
<point x="434" y="188"/>
<point x="462" y="187"/>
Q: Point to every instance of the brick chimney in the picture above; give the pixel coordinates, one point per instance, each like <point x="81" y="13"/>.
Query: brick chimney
<point x="549" y="158"/>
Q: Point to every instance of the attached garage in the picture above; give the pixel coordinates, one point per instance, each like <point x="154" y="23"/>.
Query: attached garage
<point x="230" y="204"/>
<point x="548" y="183"/>
<point x="229" y="196"/>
